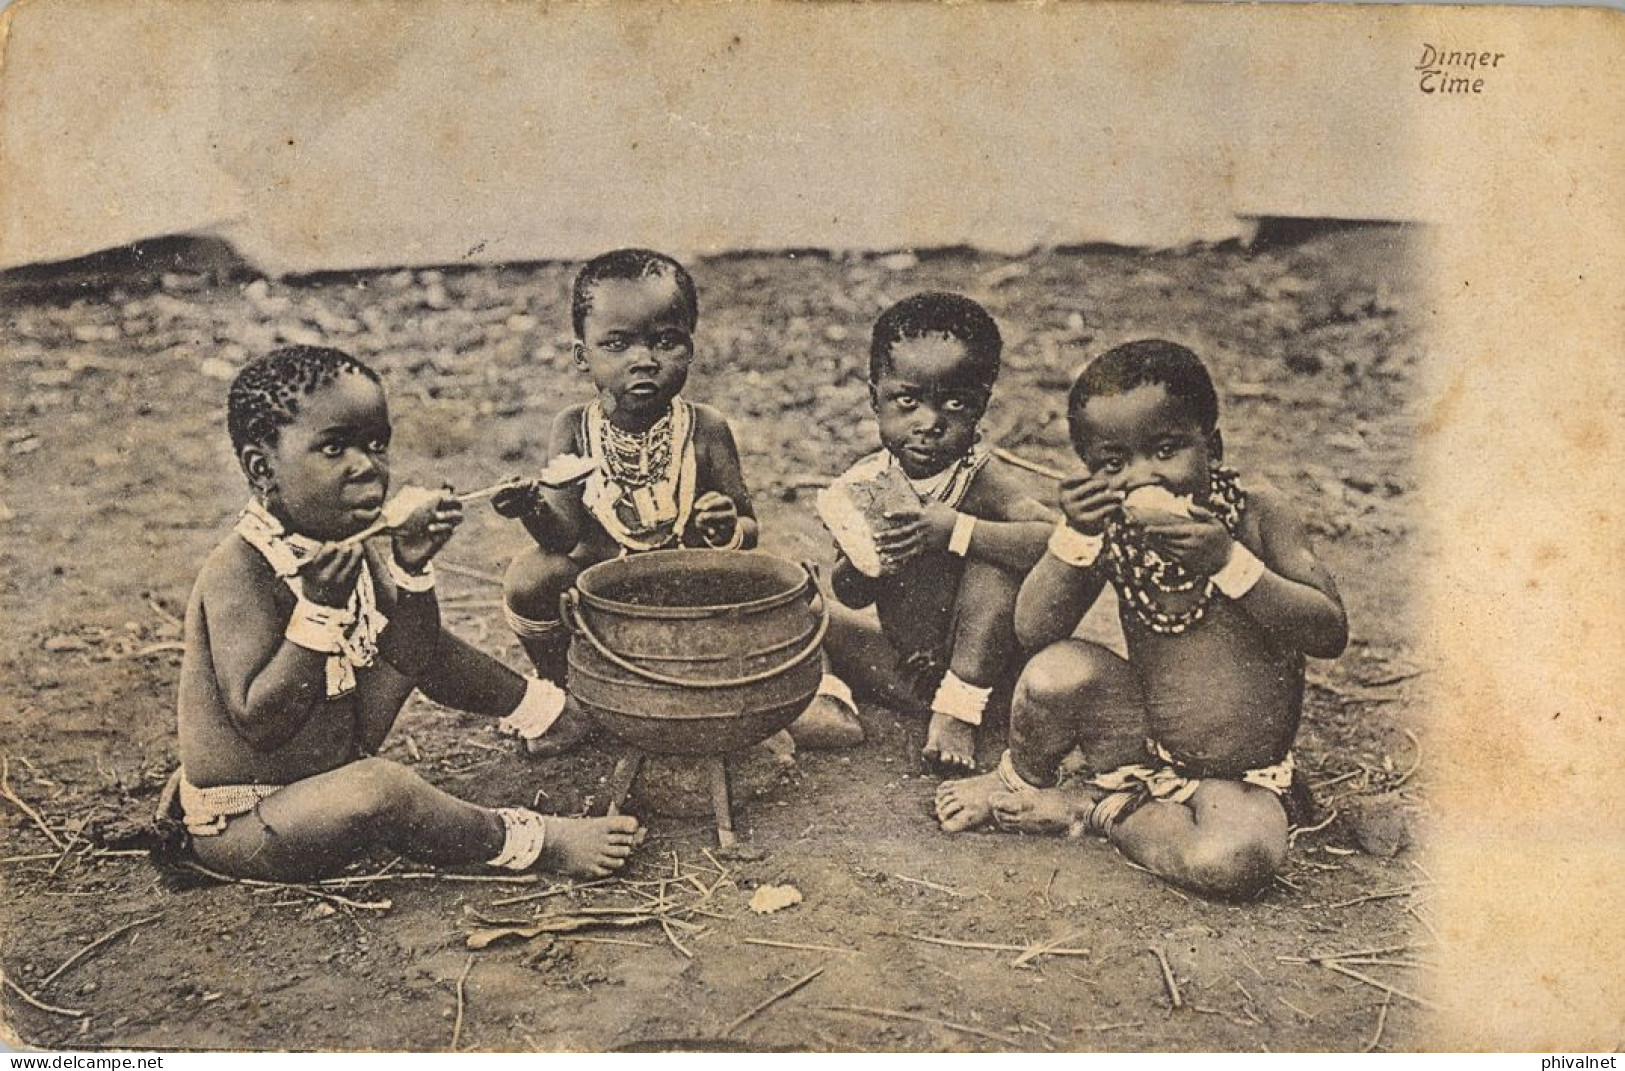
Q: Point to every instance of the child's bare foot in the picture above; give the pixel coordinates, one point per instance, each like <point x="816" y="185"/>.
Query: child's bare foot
<point x="828" y="723"/>
<point x="1044" y="810"/>
<point x="589" y="847"/>
<point x="965" y="804"/>
<point x="950" y="745"/>
<point x="573" y="727"/>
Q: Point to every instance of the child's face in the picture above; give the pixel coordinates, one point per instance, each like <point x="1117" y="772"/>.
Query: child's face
<point x="636" y="345"/>
<point x="928" y="403"/>
<point x="1143" y="437"/>
<point x="328" y="473"/>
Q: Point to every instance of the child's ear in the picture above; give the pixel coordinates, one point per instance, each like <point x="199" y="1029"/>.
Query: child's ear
<point x="1215" y="445"/>
<point x="257" y="466"/>
<point x="578" y="353"/>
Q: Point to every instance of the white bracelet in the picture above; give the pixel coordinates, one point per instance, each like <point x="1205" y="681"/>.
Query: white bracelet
<point x="1240" y="573"/>
<point x="1077" y="549"/>
<point x="959" y="540"/>
<point x="417" y="583"/>
<point x="316" y="627"/>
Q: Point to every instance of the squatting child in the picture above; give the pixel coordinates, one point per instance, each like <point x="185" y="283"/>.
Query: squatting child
<point x="947" y="536"/>
<point x="1221" y="599"/>
<point x="667" y="472"/>
<point x="304" y="638"/>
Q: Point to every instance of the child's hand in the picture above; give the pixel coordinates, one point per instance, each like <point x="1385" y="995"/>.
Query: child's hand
<point x="1200" y="545"/>
<point x="520" y="500"/>
<point x="716" y="518"/>
<point x="1088" y="502"/>
<point x="913" y="532"/>
<point x="426" y="531"/>
<point x="330" y="576"/>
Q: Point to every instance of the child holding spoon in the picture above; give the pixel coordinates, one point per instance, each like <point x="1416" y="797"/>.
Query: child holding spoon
<point x="304" y="640"/>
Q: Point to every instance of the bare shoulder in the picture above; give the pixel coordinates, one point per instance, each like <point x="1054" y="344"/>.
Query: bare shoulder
<point x="232" y="568"/>
<point x="565" y="434"/>
<point x="1269" y="508"/>
<point x="710" y="424"/>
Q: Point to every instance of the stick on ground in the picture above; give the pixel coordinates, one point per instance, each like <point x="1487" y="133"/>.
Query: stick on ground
<point x="799" y="947"/>
<point x="457" y="1025"/>
<point x="97" y="943"/>
<point x="770" y="1001"/>
<point x="30" y="999"/>
<point x="17" y="801"/>
<point x="1168" y="977"/>
<point x="887" y="1013"/>
<point x="1382" y="1021"/>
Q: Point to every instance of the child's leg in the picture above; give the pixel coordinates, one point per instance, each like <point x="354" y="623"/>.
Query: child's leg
<point x="1072" y="694"/>
<point x="1227" y="841"/>
<point x="531" y="593"/>
<point x="861" y="655"/>
<point x="322" y="824"/>
<point x="981" y="649"/>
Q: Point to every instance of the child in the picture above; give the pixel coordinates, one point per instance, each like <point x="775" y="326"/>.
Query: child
<point x="303" y="643"/>
<point x="951" y="551"/>
<point x="668" y="471"/>
<point x="1221" y="598"/>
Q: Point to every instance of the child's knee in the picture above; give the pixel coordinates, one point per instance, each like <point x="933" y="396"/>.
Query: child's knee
<point x="1060" y="676"/>
<point x="534" y="582"/>
<point x="379" y="793"/>
<point x="1234" y="868"/>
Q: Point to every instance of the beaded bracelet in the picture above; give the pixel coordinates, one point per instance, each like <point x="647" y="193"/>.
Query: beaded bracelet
<point x="1240" y="573"/>
<point x="1077" y="549"/>
<point x="959" y="540"/>
<point x="316" y="627"/>
<point x="416" y="583"/>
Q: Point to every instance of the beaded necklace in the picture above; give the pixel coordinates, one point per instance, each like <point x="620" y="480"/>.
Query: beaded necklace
<point x="637" y="459"/>
<point x="1139" y="573"/>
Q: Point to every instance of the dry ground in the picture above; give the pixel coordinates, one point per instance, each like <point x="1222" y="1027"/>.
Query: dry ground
<point x="119" y="479"/>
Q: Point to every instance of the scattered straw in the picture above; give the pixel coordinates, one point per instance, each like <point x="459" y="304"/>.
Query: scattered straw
<point x="770" y="1001"/>
<point x="110" y="935"/>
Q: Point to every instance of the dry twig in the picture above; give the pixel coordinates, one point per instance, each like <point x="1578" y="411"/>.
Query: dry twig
<point x="97" y="943"/>
<point x="1167" y="976"/>
<point x="770" y="1001"/>
<point x="886" y="1013"/>
<point x="1358" y="976"/>
<point x="29" y="998"/>
<point x="17" y="801"/>
<point x="1382" y="1021"/>
<point x="799" y="947"/>
<point x="457" y="1025"/>
<point x="986" y="946"/>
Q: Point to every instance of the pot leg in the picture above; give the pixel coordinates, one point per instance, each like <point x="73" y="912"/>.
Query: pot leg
<point x="722" y="801"/>
<point x="621" y="778"/>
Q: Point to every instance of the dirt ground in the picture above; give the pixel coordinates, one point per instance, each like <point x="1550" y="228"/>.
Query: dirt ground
<point x="119" y="478"/>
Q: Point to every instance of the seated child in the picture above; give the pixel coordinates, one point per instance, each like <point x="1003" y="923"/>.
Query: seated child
<point x="303" y="643"/>
<point x="949" y="536"/>
<point x="1221" y="598"/>
<point x="668" y="471"/>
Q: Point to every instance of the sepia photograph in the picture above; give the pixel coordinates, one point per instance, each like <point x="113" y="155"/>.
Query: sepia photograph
<point x="784" y="527"/>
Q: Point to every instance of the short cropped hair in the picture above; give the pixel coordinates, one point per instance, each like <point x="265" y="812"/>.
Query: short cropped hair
<point x="264" y="398"/>
<point x="1146" y="362"/>
<point x="938" y="313"/>
<point x="631" y="264"/>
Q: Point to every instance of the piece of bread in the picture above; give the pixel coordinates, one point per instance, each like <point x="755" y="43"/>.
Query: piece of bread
<point x="565" y="469"/>
<point x="1154" y="504"/>
<point x="854" y="507"/>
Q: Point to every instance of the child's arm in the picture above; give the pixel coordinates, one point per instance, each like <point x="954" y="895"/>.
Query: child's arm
<point x="412" y="639"/>
<point x="723" y="514"/>
<point x="1068" y="578"/>
<point x="1287" y="590"/>
<point x="554" y="517"/>
<point x="269" y="685"/>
